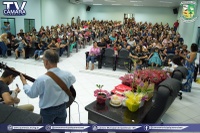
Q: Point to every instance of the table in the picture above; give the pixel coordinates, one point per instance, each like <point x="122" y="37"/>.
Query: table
<point x="107" y="114"/>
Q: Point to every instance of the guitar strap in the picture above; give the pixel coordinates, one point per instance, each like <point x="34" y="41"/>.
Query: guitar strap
<point x="60" y="83"/>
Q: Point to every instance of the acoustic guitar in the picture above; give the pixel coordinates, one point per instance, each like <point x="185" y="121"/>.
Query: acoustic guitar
<point x="72" y="90"/>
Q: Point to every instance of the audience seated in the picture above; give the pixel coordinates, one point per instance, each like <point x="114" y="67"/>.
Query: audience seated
<point x="38" y="52"/>
<point x="140" y="39"/>
<point x="20" y="48"/>
<point x="94" y="52"/>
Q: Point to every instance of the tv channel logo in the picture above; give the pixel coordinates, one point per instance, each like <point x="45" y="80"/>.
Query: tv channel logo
<point x="14" y="9"/>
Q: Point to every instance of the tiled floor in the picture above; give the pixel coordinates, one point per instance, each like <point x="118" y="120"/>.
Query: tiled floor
<point x="181" y="111"/>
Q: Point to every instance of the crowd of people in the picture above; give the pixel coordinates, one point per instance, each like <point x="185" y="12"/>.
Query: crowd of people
<point x="149" y="44"/>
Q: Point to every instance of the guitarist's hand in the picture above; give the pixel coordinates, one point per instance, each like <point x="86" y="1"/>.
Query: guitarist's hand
<point x="17" y="90"/>
<point x="23" y="79"/>
<point x="16" y="100"/>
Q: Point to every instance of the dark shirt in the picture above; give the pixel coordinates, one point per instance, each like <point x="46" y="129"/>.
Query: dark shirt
<point x="108" y="41"/>
<point x="3" y="88"/>
<point x="170" y="50"/>
<point x="101" y="44"/>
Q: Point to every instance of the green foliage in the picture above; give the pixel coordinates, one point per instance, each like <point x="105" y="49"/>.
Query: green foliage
<point x="99" y="86"/>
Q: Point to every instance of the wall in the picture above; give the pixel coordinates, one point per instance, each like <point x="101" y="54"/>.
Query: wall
<point x="149" y="14"/>
<point x="61" y="12"/>
<point x="32" y="12"/>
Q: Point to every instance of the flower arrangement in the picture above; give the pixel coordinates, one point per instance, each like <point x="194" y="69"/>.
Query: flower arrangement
<point x="152" y="75"/>
<point x="127" y="79"/>
<point x="139" y="77"/>
<point x="134" y="100"/>
<point x="101" y="95"/>
<point x="143" y="83"/>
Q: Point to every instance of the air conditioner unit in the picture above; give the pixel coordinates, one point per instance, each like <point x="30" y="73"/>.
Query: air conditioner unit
<point x="75" y="1"/>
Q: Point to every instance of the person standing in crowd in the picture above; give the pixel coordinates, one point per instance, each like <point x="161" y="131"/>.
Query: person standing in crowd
<point x="6" y="27"/>
<point x="72" y="21"/>
<point x="176" y="24"/>
<point x="6" y="96"/>
<point x="78" y="20"/>
<point x="3" y="43"/>
<point x="190" y="65"/>
<point x="52" y="99"/>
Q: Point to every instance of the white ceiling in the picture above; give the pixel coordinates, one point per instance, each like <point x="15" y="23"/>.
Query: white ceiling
<point x="147" y="3"/>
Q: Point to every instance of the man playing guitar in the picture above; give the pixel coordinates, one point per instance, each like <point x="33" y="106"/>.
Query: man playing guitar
<point x="52" y="99"/>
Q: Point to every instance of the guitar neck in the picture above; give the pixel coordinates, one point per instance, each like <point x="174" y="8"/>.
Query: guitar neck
<point x="29" y="78"/>
<point x="5" y="67"/>
<point x="26" y="76"/>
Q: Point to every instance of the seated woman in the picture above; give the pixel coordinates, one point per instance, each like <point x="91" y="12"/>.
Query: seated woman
<point x="42" y="46"/>
<point x="140" y="53"/>
<point x="53" y="44"/>
<point x="171" y="49"/>
<point x="20" y="48"/>
<point x="64" y="45"/>
<point x="155" y="58"/>
<point x="94" y="52"/>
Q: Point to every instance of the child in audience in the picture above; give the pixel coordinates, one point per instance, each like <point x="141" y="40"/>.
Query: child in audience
<point x="155" y="58"/>
<point x="174" y="63"/>
<point x="138" y="64"/>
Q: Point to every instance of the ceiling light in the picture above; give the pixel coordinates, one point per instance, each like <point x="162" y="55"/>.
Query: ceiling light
<point x="110" y="0"/>
<point x="87" y="0"/>
<point x="116" y="4"/>
<point x="135" y="1"/>
<point x="165" y="1"/>
<point x="137" y="5"/>
<point x="97" y="4"/>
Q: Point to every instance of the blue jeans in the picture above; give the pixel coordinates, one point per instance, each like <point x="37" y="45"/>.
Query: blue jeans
<point x="91" y="58"/>
<point x="3" y="48"/>
<point x="54" y="115"/>
<point x="38" y="52"/>
<point x="62" y="50"/>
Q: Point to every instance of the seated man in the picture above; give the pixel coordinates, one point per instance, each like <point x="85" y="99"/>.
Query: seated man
<point x="6" y="96"/>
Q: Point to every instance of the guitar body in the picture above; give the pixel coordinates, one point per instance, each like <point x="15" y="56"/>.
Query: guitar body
<point x="72" y="90"/>
<point x="71" y="99"/>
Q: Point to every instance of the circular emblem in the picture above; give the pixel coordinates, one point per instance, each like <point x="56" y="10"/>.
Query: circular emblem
<point x="10" y="127"/>
<point x="48" y="127"/>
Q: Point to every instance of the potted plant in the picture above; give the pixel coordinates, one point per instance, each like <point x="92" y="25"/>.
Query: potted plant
<point x="101" y="95"/>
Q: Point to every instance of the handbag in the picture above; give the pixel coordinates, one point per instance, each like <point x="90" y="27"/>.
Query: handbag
<point x="70" y="92"/>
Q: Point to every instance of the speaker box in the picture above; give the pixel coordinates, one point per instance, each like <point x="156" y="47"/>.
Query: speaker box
<point x="88" y="8"/>
<point x="175" y="10"/>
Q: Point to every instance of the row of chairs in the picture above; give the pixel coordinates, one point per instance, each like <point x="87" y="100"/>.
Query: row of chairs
<point x="109" y="58"/>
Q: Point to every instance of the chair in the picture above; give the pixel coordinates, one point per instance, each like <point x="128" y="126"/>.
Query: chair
<point x="123" y="60"/>
<point x="163" y="98"/>
<point x="109" y="58"/>
<point x="98" y="59"/>
<point x="180" y="73"/>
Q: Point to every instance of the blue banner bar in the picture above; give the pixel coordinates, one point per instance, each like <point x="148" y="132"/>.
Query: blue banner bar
<point x="100" y="128"/>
